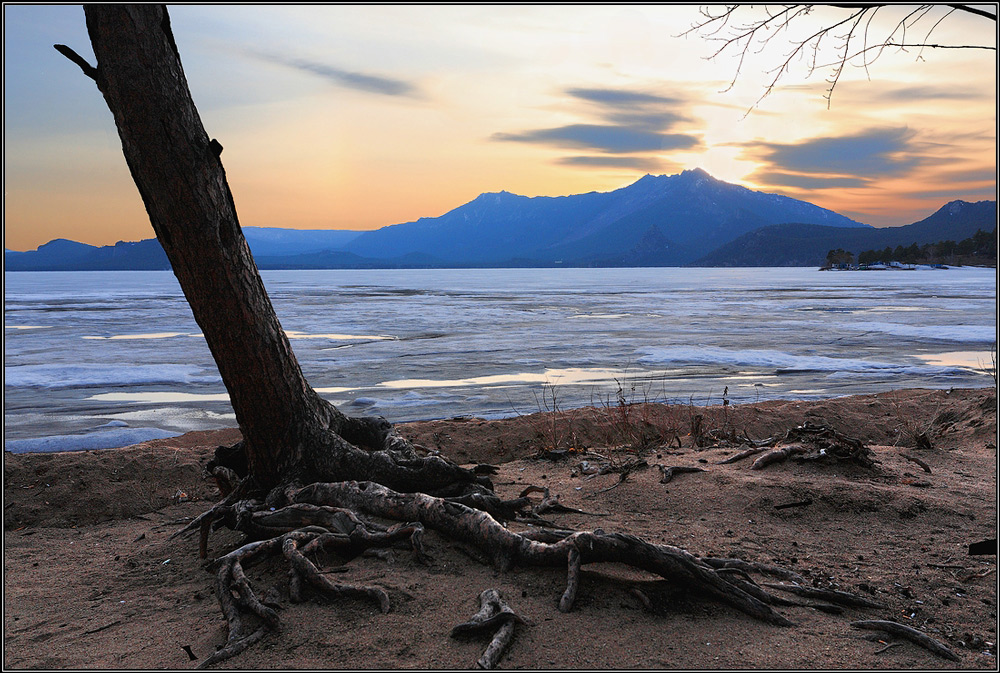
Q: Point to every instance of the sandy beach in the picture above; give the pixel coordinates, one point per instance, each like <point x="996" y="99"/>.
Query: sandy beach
<point x="92" y="580"/>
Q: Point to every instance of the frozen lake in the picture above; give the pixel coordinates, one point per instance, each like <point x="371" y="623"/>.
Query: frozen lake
<point x="108" y="358"/>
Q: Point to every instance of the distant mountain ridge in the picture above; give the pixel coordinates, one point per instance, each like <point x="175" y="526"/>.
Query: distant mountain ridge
<point x="265" y="243"/>
<point x="796" y="244"/>
<point x="692" y="212"/>
<point x="685" y="219"/>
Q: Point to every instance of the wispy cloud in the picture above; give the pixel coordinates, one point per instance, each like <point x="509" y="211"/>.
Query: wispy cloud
<point x="778" y="178"/>
<point x="864" y="93"/>
<point x="873" y="153"/>
<point x="630" y="122"/>
<point x="621" y="97"/>
<point x="647" y="164"/>
<point x="603" y="138"/>
<point x="987" y="192"/>
<point x="359" y="81"/>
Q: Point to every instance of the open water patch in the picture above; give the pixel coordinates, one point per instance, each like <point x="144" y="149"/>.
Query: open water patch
<point x="785" y="363"/>
<point x="55" y="376"/>
<point x="110" y="438"/>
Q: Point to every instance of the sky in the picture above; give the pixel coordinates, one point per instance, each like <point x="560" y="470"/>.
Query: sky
<point x="362" y="116"/>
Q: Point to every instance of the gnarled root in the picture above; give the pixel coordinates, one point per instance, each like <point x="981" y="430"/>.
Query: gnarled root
<point x="493" y="613"/>
<point x="328" y="517"/>
<point x="300" y="523"/>
<point x="240" y="603"/>
<point x="506" y="548"/>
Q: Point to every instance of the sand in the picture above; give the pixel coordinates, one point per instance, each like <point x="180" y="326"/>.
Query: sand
<point x="92" y="580"/>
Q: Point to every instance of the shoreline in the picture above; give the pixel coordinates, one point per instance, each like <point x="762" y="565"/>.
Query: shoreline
<point x="118" y="435"/>
<point x="888" y="417"/>
<point x="93" y="578"/>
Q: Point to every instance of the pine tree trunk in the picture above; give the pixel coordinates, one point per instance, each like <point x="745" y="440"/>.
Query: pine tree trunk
<point x="177" y="168"/>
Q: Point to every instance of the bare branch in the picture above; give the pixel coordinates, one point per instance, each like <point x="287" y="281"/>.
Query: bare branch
<point x="719" y="24"/>
<point x="973" y="10"/>
<point x="88" y="70"/>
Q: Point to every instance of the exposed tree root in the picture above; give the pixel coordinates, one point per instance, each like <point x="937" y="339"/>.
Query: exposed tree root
<point x="832" y="595"/>
<point x="910" y="633"/>
<point x="300" y="523"/>
<point x="493" y="613"/>
<point x="747" y="566"/>
<point x="332" y="517"/>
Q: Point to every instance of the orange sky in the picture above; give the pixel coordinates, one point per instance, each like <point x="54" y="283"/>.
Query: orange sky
<point x="357" y="117"/>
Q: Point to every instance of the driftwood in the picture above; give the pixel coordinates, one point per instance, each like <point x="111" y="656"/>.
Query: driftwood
<point x="910" y="633"/>
<point x="777" y="455"/>
<point x="807" y="442"/>
<point x="752" y="451"/>
<point x="667" y="473"/>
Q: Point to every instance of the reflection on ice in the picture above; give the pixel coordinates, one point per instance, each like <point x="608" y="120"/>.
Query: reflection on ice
<point x="160" y="397"/>
<point x="27" y="326"/>
<point x="292" y="334"/>
<point x="152" y="335"/>
<point x="976" y="360"/>
<point x="567" y="376"/>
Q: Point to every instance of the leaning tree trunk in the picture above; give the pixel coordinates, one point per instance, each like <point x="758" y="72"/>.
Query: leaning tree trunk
<point x="289" y="431"/>
<point x="177" y="168"/>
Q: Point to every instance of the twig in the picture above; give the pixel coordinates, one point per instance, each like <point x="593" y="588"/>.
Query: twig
<point x="803" y="503"/>
<point x="919" y="462"/>
<point x="886" y="648"/>
<point x="101" y="628"/>
<point x="752" y="451"/>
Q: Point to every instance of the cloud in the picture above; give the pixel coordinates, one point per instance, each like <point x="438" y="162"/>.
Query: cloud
<point x="634" y="109"/>
<point x="873" y="153"/>
<point x="864" y="93"/>
<point x="627" y="122"/>
<point x="778" y="178"/>
<point x="647" y="164"/>
<point x="358" y="81"/>
<point x="971" y="175"/>
<point x="621" y="97"/>
<point x="652" y="121"/>
<point x="603" y="138"/>
<point x="919" y="93"/>
<point x="988" y="192"/>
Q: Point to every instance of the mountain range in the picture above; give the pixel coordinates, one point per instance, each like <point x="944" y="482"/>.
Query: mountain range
<point x="686" y="219"/>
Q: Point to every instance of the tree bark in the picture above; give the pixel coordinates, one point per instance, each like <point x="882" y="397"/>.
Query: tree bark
<point x="179" y="174"/>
